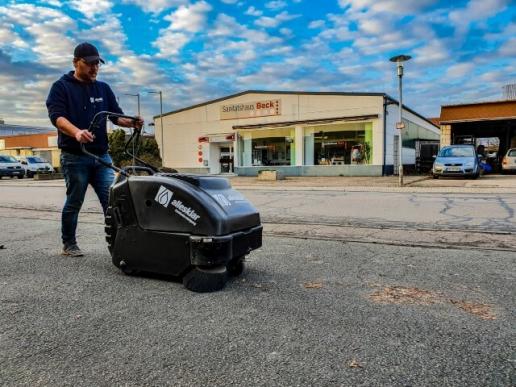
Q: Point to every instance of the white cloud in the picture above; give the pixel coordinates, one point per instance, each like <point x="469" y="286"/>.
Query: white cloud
<point x="273" y="22"/>
<point x="390" y="6"/>
<point x="170" y="43"/>
<point x="459" y="70"/>
<point x="90" y="8"/>
<point x="229" y="1"/>
<point x="189" y="18"/>
<point x="275" y="5"/>
<point x="253" y="12"/>
<point x="508" y="49"/>
<point x="185" y="22"/>
<point x="475" y="10"/>
<point x="156" y="6"/>
<point x="316" y="24"/>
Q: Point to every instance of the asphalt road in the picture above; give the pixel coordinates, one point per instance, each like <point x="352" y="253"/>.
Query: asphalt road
<point x="409" y="210"/>
<point x="306" y="312"/>
<point x="420" y="293"/>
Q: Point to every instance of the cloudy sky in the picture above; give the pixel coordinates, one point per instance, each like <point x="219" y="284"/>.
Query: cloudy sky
<point x="197" y="50"/>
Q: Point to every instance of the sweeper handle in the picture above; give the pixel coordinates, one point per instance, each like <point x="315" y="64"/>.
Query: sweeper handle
<point x="93" y="124"/>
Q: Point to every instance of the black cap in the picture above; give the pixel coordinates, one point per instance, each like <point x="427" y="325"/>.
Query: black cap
<point x="88" y="52"/>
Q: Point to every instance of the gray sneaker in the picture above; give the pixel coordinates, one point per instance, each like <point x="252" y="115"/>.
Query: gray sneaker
<point x="72" y="251"/>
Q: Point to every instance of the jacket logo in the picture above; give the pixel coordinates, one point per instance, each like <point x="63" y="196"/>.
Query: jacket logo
<point x="93" y="100"/>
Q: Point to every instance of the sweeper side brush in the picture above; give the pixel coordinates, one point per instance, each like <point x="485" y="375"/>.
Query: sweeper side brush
<point x="190" y="226"/>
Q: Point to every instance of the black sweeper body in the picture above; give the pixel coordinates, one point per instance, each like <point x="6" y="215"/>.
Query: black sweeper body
<point x="190" y="226"/>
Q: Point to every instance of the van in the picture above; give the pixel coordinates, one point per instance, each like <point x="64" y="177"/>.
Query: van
<point x="11" y="167"/>
<point x="34" y="164"/>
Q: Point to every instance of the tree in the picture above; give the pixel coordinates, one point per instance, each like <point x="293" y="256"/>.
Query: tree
<point x="147" y="150"/>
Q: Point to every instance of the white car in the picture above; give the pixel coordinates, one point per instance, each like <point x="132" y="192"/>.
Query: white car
<point x="34" y="165"/>
<point x="11" y="167"/>
<point x="509" y="161"/>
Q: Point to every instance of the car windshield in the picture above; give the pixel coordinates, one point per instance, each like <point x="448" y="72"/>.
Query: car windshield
<point x="33" y="160"/>
<point x="8" y="159"/>
<point x="457" y="152"/>
<point x="512" y="153"/>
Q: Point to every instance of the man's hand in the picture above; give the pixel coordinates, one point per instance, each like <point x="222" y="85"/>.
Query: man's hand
<point x="129" y="123"/>
<point x="84" y="136"/>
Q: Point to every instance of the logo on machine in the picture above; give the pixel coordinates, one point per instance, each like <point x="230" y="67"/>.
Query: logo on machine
<point x="164" y="196"/>
<point x="223" y="201"/>
<point x="185" y="212"/>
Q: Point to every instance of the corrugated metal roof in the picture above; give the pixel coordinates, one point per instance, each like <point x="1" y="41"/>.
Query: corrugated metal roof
<point x="482" y="111"/>
<point x="18" y="130"/>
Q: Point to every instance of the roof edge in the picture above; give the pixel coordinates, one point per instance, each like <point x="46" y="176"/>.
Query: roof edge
<point x="271" y="92"/>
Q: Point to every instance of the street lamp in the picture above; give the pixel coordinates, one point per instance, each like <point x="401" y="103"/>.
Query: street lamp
<point x="137" y="95"/>
<point x="161" y="120"/>
<point x="399" y="59"/>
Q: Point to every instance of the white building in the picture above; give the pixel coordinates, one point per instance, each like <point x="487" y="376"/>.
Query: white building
<point x="299" y="133"/>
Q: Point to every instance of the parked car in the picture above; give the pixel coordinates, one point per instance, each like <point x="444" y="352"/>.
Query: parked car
<point x="34" y="164"/>
<point x="11" y="167"/>
<point x="509" y="161"/>
<point x="456" y="160"/>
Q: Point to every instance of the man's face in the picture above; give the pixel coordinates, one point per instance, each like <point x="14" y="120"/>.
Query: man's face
<point x="86" y="72"/>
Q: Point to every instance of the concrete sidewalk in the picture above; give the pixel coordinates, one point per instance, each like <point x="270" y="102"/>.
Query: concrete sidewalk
<point x="485" y="184"/>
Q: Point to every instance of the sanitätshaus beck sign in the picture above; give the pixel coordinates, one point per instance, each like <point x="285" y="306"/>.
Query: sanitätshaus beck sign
<point x="271" y="107"/>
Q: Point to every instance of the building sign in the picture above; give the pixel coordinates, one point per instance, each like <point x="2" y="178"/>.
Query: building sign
<point x="271" y="107"/>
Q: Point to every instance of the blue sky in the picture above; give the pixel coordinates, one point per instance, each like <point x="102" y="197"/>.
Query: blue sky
<point x="200" y="50"/>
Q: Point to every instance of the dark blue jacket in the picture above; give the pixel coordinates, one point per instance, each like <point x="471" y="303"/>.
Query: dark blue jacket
<point x="78" y="102"/>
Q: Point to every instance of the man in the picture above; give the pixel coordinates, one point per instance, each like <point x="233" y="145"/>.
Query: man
<point x="72" y="102"/>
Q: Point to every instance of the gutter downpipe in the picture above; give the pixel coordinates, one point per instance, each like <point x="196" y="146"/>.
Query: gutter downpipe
<point x="384" y="133"/>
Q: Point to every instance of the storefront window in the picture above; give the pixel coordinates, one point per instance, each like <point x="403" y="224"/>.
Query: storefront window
<point x="342" y="144"/>
<point x="271" y="151"/>
<point x="267" y="147"/>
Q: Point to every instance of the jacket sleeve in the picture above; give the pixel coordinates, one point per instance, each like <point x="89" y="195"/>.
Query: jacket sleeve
<point x="113" y="105"/>
<point x="57" y="105"/>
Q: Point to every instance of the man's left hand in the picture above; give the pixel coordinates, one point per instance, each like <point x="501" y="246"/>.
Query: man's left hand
<point x="130" y="123"/>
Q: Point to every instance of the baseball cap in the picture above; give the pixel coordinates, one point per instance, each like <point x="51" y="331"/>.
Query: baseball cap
<point x="88" y="52"/>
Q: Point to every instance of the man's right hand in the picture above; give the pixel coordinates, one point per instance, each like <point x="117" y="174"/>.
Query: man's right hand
<point x="84" y="136"/>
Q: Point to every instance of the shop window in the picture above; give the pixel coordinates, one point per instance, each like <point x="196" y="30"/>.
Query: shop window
<point x="272" y="151"/>
<point x="342" y="148"/>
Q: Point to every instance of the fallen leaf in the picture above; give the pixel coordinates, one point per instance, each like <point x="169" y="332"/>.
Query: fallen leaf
<point x="480" y="310"/>
<point x="355" y="364"/>
<point x="313" y="285"/>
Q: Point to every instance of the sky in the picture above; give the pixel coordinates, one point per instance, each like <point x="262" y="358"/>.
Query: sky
<point x="197" y="50"/>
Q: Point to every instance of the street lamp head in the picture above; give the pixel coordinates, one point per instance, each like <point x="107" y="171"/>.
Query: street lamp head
<point x="400" y="58"/>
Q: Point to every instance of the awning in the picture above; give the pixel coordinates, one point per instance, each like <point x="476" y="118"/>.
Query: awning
<point x="306" y="122"/>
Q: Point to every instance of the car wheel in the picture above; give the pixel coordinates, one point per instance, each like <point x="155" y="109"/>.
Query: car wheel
<point x="435" y="176"/>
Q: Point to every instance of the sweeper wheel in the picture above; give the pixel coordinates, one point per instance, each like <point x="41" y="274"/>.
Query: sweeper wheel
<point x="202" y="279"/>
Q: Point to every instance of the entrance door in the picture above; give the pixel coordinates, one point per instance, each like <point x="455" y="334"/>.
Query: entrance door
<point x="226" y="159"/>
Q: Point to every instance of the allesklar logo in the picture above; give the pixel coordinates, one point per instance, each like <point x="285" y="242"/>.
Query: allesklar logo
<point x="164" y="196"/>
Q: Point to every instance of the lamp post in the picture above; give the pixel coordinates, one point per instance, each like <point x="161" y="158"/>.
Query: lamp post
<point x="399" y="59"/>
<point x="161" y="120"/>
<point x="137" y="95"/>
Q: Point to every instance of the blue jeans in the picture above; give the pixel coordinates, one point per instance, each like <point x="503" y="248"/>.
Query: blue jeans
<point x="79" y="171"/>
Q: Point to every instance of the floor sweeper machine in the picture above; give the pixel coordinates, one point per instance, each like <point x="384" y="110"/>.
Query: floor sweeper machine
<point x="189" y="226"/>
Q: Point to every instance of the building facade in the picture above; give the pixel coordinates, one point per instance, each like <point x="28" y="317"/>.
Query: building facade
<point x="297" y="133"/>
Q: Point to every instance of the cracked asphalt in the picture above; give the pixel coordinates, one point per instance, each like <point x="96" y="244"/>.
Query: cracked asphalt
<point x="305" y="312"/>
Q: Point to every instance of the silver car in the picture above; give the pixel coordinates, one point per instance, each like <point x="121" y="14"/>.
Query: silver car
<point x="456" y="160"/>
<point x="509" y="161"/>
